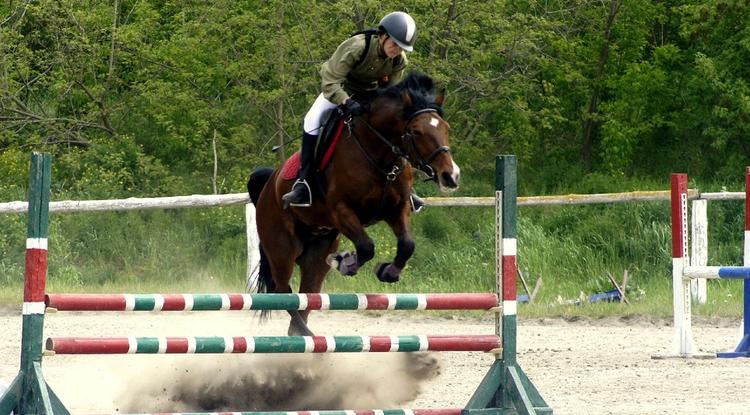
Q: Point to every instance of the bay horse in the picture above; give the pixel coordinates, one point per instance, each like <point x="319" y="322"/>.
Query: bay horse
<point x="369" y="179"/>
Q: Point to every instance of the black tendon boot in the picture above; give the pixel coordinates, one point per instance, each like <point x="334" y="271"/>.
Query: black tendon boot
<point x="300" y="195"/>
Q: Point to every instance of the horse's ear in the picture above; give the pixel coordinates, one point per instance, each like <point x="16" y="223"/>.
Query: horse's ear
<point x="440" y="98"/>
<point x="406" y="97"/>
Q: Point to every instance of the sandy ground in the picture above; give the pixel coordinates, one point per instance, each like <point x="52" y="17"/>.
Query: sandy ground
<point x="580" y="367"/>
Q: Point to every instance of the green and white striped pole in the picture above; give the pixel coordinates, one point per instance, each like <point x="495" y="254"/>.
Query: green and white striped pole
<point x="271" y="344"/>
<point x="275" y="301"/>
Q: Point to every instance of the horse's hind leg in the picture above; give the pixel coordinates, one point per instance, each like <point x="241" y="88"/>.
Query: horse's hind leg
<point x="298" y="319"/>
<point x="281" y="263"/>
<point x="313" y="266"/>
<point x="298" y="323"/>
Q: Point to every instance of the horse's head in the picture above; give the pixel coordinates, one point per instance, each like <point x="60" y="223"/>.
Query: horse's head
<point x="416" y="114"/>
<point x="426" y="138"/>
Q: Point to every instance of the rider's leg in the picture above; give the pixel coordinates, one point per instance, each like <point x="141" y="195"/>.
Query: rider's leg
<point x="300" y="195"/>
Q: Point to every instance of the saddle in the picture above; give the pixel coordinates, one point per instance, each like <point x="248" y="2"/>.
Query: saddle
<point x="331" y="131"/>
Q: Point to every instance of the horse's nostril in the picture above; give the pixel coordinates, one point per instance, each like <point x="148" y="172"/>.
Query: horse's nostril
<point x="448" y="180"/>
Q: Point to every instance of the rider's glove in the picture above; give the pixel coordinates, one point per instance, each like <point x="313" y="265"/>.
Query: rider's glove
<point x="353" y="107"/>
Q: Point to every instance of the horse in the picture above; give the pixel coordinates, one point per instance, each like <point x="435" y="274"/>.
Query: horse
<point x="368" y="180"/>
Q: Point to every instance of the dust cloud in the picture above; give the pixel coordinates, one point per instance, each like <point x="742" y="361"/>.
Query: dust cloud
<point x="277" y="382"/>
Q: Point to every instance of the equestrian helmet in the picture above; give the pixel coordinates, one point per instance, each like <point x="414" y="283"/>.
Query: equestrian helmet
<point x="401" y="28"/>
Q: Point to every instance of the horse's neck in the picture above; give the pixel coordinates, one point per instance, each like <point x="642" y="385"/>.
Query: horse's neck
<point x="363" y="153"/>
<point x="376" y="151"/>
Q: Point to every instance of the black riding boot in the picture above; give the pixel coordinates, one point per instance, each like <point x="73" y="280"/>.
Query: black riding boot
<point x="300" y="195"/>
<point x="417" y="203"/>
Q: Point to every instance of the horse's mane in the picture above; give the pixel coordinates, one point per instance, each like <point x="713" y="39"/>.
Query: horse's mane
<point x="421" y="88"/>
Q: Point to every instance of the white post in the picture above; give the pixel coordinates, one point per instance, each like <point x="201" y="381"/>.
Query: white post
<point x="699" y="248"/>
<point x="253" y="249"/>
<point x="683" y="340"/>
<point x="745" y="262"/>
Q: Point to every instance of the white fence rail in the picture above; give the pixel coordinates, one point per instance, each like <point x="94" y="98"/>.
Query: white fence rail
<point x="134" y="203"/>
<point x="193" y="201"/>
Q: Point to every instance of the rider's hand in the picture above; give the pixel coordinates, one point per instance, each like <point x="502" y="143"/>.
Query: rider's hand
<point x="353" y="107"/>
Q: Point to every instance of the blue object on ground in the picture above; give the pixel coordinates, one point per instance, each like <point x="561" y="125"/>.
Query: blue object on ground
<point x="611" y="296"/>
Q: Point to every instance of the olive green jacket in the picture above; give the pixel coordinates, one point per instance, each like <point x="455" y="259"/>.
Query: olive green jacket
<point x="340" y="79"/>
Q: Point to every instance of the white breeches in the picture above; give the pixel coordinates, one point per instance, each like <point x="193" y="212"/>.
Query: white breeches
<point x="314" y="114"/>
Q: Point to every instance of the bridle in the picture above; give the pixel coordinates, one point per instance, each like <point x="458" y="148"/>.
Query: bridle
<point x="409" y="140"/>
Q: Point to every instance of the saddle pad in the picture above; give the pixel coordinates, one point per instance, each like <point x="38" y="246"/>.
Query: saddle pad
<point x="291" y="167"/>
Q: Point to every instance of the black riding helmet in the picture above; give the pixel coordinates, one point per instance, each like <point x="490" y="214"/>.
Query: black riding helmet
<point x="401" y="28"/>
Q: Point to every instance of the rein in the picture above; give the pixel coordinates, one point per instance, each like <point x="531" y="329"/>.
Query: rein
<point x="396" y="169"/>
<point x="408" y="138"/>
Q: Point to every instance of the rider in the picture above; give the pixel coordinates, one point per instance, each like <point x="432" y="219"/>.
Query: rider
<point x="358" y="67"/>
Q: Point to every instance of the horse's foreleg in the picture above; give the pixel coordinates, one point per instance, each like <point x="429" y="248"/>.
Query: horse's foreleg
<point x="346" y="221"/>
<point x="391" y="272"/>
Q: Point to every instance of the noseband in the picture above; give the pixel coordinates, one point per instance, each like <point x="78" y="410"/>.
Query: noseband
<point x="409" y="139"/>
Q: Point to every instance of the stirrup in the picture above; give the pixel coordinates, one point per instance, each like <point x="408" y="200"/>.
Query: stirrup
<point x="295" y="192"/>
<point x="416" y="203"/>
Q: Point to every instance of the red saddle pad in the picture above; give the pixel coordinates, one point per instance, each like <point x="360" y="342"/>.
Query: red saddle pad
<point x="291" y="167"/>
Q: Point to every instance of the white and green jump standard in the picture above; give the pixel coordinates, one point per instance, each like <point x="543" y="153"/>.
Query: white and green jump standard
<point x="504" y="390"/>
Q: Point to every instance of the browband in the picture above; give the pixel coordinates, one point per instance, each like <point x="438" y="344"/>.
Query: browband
<point x="422" y="111"/>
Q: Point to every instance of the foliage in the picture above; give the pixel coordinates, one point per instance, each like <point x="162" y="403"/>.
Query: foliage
<point x="645" y="87"/>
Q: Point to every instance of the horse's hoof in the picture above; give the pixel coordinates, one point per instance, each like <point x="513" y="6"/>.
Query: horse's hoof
<point x="299" y="331"/>
<point x="344" y="262"/>
<point x="387" y="272"/>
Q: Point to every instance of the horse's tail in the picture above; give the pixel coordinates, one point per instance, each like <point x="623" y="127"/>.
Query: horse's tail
<point x="257" y="181"/>
<point x="255" y="184"/>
